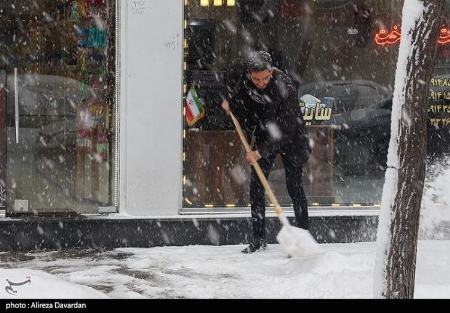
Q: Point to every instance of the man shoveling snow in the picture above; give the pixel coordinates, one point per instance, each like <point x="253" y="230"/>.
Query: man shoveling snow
<point x="265" y="104"/>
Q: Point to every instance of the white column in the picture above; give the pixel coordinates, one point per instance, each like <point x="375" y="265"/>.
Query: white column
<point x="150" y="108"/>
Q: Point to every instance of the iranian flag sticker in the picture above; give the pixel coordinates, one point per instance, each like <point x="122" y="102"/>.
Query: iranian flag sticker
<point x="194" y="107"/>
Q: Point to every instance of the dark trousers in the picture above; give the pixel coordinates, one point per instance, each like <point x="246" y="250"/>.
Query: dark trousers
<point x="293" y="169"/>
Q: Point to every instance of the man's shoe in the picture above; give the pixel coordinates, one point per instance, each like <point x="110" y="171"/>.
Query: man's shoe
<point x="260" y="246"/>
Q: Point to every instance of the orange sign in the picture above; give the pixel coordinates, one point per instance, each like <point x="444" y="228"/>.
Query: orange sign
<point x="383" y="37"/>
<point x="444" y="36"/>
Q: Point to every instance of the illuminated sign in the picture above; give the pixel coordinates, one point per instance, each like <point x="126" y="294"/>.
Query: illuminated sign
<point x="384" y="37"/>
<point x="217" y="3"/>
<point x="444" y="36"/>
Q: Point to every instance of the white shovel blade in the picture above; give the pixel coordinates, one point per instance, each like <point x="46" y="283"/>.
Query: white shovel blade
<point x="298" y="242"/>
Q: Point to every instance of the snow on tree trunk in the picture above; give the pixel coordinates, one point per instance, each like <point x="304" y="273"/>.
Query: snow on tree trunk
<point x="398" y="225"/>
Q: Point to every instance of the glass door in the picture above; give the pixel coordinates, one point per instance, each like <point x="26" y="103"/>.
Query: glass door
<point x="57" y="63"/>
<point x="4" y="36"/>
<point x="2" y="134"/>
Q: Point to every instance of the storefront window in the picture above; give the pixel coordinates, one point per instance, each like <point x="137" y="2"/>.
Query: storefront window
<point x="57" y="93"/>
<point x="343" y="62"/>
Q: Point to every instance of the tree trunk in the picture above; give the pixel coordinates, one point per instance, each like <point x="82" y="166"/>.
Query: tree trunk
<point x="402" y="195"/>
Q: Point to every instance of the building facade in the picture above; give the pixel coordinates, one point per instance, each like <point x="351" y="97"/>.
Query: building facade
<point x="94" y="120"/>
<point x="342" y="56"/>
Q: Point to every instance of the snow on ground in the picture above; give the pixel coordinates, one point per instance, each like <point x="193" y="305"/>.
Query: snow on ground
<point x="343" y="271"/>
<point x="436" y="200"/>
<point x="26" y="283"/>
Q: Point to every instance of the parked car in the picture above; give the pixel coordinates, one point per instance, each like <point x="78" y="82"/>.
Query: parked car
<point x="47" y="109"/>
<point x="362" y="111"/>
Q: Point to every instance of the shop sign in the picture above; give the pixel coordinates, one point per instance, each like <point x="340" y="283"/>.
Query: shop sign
<point x="386" y="38"/>
<point x="439" y="108"/>
<point x="316" y="110"/>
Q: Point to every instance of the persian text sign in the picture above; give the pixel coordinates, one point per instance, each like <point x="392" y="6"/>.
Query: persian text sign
<point x="439" y="107"/>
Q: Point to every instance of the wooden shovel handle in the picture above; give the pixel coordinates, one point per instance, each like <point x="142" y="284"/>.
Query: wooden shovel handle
<point x="259" y="171"/>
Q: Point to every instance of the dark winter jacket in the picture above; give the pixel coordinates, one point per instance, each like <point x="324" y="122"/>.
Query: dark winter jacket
<point x="272" y="115"/>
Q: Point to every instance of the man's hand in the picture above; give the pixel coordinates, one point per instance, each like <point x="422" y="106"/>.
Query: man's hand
<point x="253" y="156"/>
<point x="226" y="106"/>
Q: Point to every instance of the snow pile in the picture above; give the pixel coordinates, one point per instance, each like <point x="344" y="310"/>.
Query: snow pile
<point x="435" y="210"/>
<point x="343" y="271"/>
<point x="35" y="284"/>
<point x="298" y="242"/>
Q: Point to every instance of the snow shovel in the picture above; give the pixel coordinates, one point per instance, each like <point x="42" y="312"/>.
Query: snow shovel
<point x="294" y="241"/>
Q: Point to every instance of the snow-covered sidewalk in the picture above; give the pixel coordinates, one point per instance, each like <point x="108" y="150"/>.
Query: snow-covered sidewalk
<point x="343" y="271"/>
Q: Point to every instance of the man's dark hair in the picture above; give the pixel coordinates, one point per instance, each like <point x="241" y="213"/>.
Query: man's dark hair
<point x="259" y="61"/>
